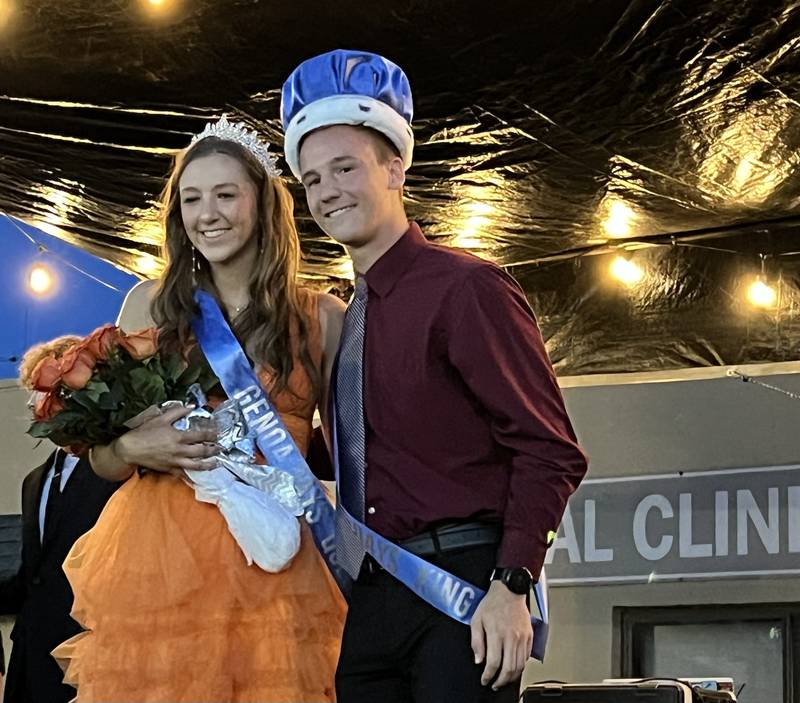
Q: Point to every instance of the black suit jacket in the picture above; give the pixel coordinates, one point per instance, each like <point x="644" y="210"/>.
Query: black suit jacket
<point x="40" y="595"/>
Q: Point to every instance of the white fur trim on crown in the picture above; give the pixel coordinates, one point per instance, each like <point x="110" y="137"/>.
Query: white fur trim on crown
<point x="352" y="110"/>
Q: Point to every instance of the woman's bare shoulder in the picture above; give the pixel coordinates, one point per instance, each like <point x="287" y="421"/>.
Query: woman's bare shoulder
<point x="135" y="312"/>
<point x="330" y="305"/>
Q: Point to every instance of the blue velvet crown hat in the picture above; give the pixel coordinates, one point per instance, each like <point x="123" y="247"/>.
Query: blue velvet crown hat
<point x="347" y="87"/>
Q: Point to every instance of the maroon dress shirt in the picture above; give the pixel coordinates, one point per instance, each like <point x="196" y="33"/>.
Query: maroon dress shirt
<point x="464" y="419"/>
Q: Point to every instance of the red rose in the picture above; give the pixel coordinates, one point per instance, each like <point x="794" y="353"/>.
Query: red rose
<point x="47" y="406"/>
<point x="77" y="366"/>
<point x="101" y="341"/>
<point x="142" y="344"/>
<point x="46" y="374"/>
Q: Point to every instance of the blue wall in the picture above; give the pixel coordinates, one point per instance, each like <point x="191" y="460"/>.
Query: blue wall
<point x="88" y="291"/>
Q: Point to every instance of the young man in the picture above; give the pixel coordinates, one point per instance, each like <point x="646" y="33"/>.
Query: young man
<point x="452" y="438"/>
<point x="61" y="500"/>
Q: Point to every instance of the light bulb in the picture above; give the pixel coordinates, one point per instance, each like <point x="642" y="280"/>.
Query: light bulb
<point x="761" y="295"/>
<point x="40" y="280"/>
<point x="626" y="271"/>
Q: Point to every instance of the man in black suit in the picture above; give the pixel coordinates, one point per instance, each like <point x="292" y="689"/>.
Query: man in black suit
<point x="61" y="500"/>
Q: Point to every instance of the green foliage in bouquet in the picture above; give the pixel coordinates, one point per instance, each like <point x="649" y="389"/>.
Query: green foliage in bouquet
<point x="88" y="393"/>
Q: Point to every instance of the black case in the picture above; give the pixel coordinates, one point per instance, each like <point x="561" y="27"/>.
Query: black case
<point x="662" y="692"/>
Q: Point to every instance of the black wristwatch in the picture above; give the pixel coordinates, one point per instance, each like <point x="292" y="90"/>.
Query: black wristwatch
<point x="517" y="580"/>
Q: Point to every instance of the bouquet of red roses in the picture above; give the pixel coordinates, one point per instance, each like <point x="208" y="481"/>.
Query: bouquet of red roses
<point x="88" y="392"/>
<point x="100" y="387"/>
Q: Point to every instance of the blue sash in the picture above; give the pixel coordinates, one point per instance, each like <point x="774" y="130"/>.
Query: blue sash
<point x="452" y="596"/>
<point x="240" y="382"/>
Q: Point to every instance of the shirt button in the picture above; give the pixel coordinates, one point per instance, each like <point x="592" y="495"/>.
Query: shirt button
<point x="371" y="510"/>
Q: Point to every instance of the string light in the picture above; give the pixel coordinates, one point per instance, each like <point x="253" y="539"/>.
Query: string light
<point x="626" y="271"/>
<point x="735" y="373"/>
<point x="761" y="294"/>
<point x="40" y="280"/>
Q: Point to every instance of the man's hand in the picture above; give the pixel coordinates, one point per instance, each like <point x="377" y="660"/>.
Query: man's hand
<point x="502" y="634"/>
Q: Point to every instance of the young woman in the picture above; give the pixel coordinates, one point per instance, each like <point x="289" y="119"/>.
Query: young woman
<point x="172" y="610"/>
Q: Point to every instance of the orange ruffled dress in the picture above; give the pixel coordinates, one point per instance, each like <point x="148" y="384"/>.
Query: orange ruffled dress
<point x="172" y="611"/>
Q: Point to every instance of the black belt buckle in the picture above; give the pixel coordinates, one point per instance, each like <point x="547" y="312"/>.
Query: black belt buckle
<point x="370" y="565"/>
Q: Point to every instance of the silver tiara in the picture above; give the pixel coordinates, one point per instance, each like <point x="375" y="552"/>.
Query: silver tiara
<point x="237" y="132"/>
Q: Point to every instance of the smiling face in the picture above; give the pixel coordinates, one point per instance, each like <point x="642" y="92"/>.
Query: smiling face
<point x="352" y="190"/>
<point x="219" y="208"/>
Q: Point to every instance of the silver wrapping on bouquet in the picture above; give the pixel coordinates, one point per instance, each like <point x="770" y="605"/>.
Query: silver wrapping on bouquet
<point x="259" y="503"/>
<point x="238" y="455"/>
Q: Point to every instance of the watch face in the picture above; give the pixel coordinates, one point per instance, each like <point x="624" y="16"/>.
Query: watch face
<point x="519" y="581"/>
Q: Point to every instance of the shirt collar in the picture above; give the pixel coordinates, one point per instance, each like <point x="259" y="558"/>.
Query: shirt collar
<point x="70" y="462"/>
<point x="389" y="269"/>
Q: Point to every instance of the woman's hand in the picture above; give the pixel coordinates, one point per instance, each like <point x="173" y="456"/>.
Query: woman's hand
<point x="157" y="445"/>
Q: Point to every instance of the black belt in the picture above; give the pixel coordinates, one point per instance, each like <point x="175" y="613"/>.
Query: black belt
<point x="449" y="537"/>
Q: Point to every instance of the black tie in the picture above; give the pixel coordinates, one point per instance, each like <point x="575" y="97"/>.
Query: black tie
<point x="52" y="510"/>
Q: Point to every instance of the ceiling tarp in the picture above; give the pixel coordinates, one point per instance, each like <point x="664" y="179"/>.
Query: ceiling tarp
<point x="552" y="136"/>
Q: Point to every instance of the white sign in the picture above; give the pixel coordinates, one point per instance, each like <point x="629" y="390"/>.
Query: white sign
<point x="708" y="524"/>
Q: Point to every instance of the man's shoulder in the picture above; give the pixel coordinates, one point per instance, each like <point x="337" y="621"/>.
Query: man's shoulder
<point x="36" y="474"/>
<point x="455" y="264"/>
<point x="32" y="483"/>
<point x="457" y="272"/>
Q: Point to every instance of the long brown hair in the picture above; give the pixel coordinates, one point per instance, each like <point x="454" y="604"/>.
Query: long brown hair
<point x="275" y="309"/>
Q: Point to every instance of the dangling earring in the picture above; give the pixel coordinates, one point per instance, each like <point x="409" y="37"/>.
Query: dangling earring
<point x="195" y="267"/>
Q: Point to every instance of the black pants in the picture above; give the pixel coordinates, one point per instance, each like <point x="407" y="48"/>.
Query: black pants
<point x="398" y="649"/>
